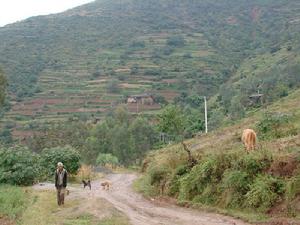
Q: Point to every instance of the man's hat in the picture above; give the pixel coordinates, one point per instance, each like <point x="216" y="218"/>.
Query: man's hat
<point x="60" y="164"/>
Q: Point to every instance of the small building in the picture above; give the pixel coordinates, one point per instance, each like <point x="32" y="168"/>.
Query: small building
<point x="144" y="99"/>
<point x="256" y="98"/>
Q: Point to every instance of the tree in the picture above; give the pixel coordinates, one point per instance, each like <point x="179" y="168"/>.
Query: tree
<point x="134" y="69"/>
<point x="106" y="158"/>
<point x="97" y="72"/>
<point x="99" y="141"/>
<point x="121" y="144"/>
<point x="177" y="41"/>
<point x="216" y="119"/>
<point x="236" y="110"/>
<point x="121" y="115"/>
<point x="67" y="155"/>
<point x="113" y="86"/>
<point x="172" y="121"/>
<point x="160" y="99"/>
<point x="3" y="84"/>
<point x="143" y="137"/>
<point x="19" y="166"/>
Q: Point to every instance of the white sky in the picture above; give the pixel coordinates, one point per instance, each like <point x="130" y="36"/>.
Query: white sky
<point x="15" y="10"/>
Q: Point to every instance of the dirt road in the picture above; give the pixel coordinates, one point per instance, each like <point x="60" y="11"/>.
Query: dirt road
<point x="143" y="212"/>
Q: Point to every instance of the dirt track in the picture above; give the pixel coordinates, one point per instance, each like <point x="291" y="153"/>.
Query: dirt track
<point x="143" y="212"/>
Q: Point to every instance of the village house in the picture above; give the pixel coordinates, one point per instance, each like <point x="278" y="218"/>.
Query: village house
<point x="144" y="99"/>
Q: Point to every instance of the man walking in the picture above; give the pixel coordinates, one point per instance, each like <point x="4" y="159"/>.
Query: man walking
<point x="60" y="183"/>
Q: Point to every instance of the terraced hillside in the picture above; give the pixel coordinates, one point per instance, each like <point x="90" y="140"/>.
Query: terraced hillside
<point x="86" y="60"/>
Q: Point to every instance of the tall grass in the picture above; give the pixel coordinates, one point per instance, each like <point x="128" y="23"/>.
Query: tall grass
<point x="231" y="180"/>
<point x="13" y="201"/>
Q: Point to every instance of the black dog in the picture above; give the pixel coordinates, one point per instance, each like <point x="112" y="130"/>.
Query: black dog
<point x="88" y="183"/>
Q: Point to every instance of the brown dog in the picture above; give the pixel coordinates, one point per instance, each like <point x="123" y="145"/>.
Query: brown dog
<point x="106" y="185"/>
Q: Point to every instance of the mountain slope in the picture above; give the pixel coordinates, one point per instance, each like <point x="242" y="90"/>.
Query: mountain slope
<point x="228" y="179"/>
<point x="236" y="29"/>
<point x="69" y="63"/>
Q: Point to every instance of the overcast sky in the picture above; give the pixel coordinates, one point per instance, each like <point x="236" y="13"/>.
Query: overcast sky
<point x="15" y="10"/>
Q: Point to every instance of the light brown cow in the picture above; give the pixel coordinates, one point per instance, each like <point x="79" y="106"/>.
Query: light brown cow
<point x="249" y="139"/>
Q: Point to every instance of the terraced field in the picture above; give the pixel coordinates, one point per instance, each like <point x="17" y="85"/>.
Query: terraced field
<point x="71" y="90"/>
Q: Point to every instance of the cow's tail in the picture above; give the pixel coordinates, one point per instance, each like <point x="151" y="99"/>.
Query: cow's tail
<point x="253" y="139"/>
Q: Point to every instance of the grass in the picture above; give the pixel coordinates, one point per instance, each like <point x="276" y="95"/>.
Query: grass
<point x="142" y="185"/>
<point x="44" y="211"/>
<point x="13" y="201"/>
<point x="247" y="177"/>
<point x="25" y="206"/>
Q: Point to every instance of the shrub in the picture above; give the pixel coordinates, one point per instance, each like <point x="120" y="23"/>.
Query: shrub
<point x="67" y="155"/>
<point x="264" y="192"/>
<point x="104" y="159"/>
<point x="253" y="163"/>
<point x="210" y="170"/>
<point x="236" y="180"/>
<point x="13" y="201"/>
<point x="177" y="41"/>
<point x="113" y="86"/>
<point x="175" y="180"/>
<point x="19" y="166"/>
<point x="208" y="196"/>
<point x="85" y="172"/>
<point x="152" y="72"/>
<point x="293" y="187"/>
<point x="158" y="174"/>
<point x="276" y="126"/>
<point x="234" y="186"/>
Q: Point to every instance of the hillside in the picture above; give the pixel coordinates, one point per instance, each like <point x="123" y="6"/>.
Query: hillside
<point x="67" y="64"/>
<point x="225" y="177"/>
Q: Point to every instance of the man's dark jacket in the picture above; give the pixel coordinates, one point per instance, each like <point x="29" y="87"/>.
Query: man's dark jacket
<point x="64" y="179"/>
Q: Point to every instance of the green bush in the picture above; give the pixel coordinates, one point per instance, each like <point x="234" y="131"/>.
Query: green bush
<point x="264" y="192"/>
<point x="67" y="155"/>
<point x="209" y="195"/>
<point x="236" y="180"/>
<point x="175" y="180"/>
<point x="253" y="163"/>
<point x="158" y="174"/>
<point x="276" y="125"/>
<point x="108" y="158"/>
<point x="293" y="187"/>
<point x="19" y="166"/>
<point x="13" y="200"/>
<point x="234" y="186"/>
<point x="233" y="180"/>
<point x="210" y="170"/>
<point x="176" y="41"/>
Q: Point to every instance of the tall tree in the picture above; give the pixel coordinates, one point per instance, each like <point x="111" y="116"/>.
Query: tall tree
<point x="3" y="84"/>
<point x="173" y="122"/>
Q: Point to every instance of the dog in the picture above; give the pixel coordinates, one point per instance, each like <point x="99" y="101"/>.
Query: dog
<point x="106" y="185"/>
<point x="87" y="183"/>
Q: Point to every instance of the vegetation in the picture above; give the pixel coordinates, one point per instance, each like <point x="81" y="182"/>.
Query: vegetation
<point x="228" y="178"/>
<point x="274" y="126"/>
<point x="181" y="51"/>
<point x="43" y="211"/>
<point x="13" y="201"/>
<point x="67" y="155"/>
<point x="107" y="159"/>
<point x="3" y="84"/>
<point x="19" y="166"/>
<point x="126" y="138"/>
<point x="69" y="102"/>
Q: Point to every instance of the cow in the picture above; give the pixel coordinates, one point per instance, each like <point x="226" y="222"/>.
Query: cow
<point x="249" y="139"/>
